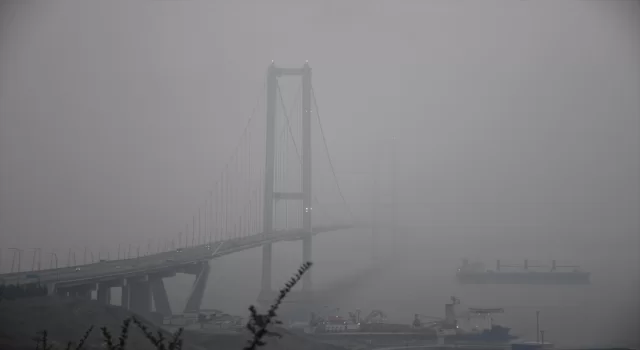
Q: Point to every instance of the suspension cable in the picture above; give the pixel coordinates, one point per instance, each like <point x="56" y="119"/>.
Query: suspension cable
<point x="242" y="137"/>
<point x="324" y="141"/>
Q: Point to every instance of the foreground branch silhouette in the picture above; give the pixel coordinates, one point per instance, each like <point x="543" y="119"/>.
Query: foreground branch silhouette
<point x="258" y="323"/>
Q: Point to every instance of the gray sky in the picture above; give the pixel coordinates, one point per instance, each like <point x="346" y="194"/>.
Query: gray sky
<point x="517" y="125"/>
<point x="116" y="116"/>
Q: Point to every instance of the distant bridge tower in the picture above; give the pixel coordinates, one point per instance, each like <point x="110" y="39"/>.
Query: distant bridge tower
<point x="270" y="196"/>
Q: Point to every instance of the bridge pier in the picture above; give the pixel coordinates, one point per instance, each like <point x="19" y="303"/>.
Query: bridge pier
<point x="104" y="293"/>
<point x="125" y="296"/>
<point x="140" y="297"/>
<point x="51" y="289"/>
<point x="84" y="292"/>
<point x="160" y="297"/>
<point x="141" y="294"/>
<point x="199" y="285"/>
<point x="306" y="174"/>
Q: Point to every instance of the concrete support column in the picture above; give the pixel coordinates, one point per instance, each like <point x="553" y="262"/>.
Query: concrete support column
<point x="140" y="297"/>
<point x="126" y="296"/>
<point x="269" y="174"/>
<point x="84" y="294"/>
<point x="51" y="289"/>
<point x="160" y="297"/>
<point x="198" y="288"/>
<point x="104" y="293"/>
<point x="306" y="172"/>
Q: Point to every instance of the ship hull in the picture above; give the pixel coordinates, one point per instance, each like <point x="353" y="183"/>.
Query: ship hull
<point x="427" y="336"/>
<point x="495" y="335"/>
<point x="523" y="277"/>
<point x="403" y="331"/>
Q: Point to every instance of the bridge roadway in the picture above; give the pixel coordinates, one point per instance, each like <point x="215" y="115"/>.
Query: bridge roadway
<point x="164" y="262"/>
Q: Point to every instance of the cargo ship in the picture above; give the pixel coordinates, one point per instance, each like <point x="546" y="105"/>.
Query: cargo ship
<point x="474" y="325"/>
<point x="475" y="273"/>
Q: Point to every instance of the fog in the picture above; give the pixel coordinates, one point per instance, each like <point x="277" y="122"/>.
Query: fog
<point x="517" y="128"/>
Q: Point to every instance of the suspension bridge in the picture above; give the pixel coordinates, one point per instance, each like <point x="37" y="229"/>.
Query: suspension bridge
<point x="264" y="195"/>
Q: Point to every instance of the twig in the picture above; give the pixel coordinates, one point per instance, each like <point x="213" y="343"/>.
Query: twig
<point x="176" y="341"/>
<point x="108" y="339"/>
<point x="83" y="339"/>
<point x="258" y="323"/>
<point x="124" y="334"/>
<point x="45" y="340"/>
<point x="158" y="341"/>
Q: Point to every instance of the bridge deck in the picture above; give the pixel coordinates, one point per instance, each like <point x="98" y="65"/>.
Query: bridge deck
<point x="154" y="263"/>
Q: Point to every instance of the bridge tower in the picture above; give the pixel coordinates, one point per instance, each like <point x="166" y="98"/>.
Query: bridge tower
<point x="270" y="196"/>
